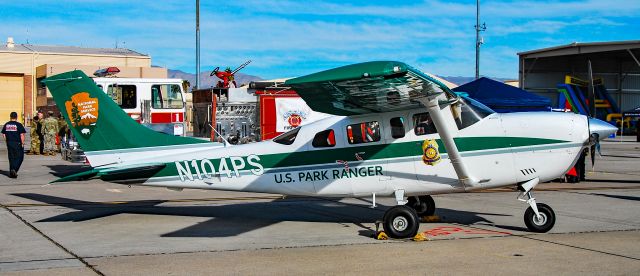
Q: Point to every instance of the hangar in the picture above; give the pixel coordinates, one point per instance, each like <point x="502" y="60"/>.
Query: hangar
<point x="22" y="66"/>
<point x="617" y="63"/>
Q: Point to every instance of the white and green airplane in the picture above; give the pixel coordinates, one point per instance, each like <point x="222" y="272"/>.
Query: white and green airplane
<point x="396" y="132"/>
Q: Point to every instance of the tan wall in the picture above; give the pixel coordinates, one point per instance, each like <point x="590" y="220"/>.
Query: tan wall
<point x="47" y="70"/>
<point x="92" y="60"/>
<point x="24" y="63"/>
<point x="16" y="63"/>
<point x="38" y="65"/>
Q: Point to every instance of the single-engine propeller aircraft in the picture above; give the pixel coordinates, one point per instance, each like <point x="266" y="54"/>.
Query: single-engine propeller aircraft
<point x="396" y="133"/>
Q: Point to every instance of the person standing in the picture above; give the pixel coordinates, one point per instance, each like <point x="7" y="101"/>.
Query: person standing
<point x="50" y="130"/>
<point x="35" y="138"/>
<point x="62" y="131"/>
<point x="40" y="133"/>
<point x="13" y="133"/>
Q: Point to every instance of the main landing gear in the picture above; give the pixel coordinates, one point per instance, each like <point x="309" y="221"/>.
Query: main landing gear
<point x="539" y="217"/>
<point x="402" y="221"/>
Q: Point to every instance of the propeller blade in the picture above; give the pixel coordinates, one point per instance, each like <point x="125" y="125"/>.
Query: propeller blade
<point x="592" y="93"/>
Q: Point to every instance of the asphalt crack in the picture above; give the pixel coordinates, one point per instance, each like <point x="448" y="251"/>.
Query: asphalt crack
<point x="52" y="240"/>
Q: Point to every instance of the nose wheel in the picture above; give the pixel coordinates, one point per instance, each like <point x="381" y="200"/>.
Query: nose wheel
<point x="400" y="222"/>
<point x="541" y="223"/>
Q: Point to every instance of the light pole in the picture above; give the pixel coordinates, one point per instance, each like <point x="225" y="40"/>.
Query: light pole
<point x="479" y="41"/>
<point x="197" y="44"/>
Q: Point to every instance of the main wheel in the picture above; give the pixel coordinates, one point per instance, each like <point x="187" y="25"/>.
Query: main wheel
<point x="423" y="205"/>
<point x="400" y="222"/>
<point x="546" y="221"/>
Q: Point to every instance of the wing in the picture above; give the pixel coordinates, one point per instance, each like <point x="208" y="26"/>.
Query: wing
<point x="370" y="87"/>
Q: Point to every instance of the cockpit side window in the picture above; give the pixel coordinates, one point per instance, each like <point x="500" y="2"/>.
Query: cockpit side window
<point x="324" y="139"/>
<point x="468" y="112"/>
<point x="365" y="132"/>
<point x="397" y="127"/>
<point x="423" y="124"/>
<point x="288" y="137"/>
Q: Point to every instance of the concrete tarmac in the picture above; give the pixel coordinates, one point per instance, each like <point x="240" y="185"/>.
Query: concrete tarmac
<point x="94" y="227"/>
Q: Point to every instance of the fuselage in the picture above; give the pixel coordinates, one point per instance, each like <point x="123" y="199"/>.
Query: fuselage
<point x="374" y="153"/>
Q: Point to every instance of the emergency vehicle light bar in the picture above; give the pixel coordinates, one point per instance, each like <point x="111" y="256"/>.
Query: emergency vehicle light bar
<point x="105" y="72"/>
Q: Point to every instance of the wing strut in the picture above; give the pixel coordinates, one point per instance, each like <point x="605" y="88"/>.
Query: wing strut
<point x="446" y="135"/>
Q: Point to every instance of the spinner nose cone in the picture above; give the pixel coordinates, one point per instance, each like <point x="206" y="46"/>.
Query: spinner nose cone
<point x="601" y="128"/>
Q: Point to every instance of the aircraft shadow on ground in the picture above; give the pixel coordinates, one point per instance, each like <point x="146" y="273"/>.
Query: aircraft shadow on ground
<point x="238" y="218"/>
<point x="65" y="170"/>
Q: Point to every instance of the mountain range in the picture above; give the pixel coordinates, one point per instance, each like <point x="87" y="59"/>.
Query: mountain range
<point x="207" y="81"/>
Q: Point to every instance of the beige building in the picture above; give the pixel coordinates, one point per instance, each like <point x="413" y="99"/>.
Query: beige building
<point x="23" y="66"/>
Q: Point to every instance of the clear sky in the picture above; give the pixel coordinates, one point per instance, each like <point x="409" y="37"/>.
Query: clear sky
<point x="292" y="38"/>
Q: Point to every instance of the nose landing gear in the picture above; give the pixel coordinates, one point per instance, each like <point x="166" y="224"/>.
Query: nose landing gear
<point x="539" y="217"/>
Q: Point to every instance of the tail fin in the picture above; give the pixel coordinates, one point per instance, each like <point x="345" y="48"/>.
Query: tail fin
<point x="97" y="122"/>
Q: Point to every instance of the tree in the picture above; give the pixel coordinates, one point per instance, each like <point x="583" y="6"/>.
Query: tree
<point x="75" y="114"/>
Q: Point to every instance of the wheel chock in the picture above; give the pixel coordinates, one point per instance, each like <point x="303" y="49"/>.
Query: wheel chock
<point x="433" y="218"/>
<point x="382" y="236"/>
<point x="421" y="237"/>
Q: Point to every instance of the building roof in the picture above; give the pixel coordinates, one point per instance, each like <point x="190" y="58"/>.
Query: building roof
<point x="29" y="48"/>
<point x="581" y="48"/>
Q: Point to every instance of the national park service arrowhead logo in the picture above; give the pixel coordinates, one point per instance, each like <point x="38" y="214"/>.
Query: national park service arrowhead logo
<point x="83" y="112"/>
<point x="430" y="153"/>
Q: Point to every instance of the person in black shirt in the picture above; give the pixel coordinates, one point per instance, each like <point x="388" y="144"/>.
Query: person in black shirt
<point x="39" y="132"/>
<point x="13" y="133"/>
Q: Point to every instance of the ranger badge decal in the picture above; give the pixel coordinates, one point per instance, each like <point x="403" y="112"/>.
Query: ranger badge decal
<point x="83" y="112"/>
<point x="430" y="153"/>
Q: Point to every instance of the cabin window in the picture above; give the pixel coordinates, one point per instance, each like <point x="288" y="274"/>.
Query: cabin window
<point x="423" y="125"/>
<point x="468" y="112"/>
<point x="397" y="127"/>
<point x="288" y="137"/>
<point x="324" y="139"/>
<point x="100" y="86"/>
<point x="166" y="96"/>
<point x="366" y="132"/>
<point x="124" y="95"/>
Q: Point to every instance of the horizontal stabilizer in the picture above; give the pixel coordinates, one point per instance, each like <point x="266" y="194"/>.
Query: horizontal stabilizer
<point x="125" y="173"/>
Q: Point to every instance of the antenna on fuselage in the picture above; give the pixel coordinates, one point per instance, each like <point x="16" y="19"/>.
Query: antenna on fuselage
<point x="226" y="143"/>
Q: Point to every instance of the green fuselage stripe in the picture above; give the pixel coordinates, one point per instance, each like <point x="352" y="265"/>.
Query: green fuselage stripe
<point x="376" y="152"/>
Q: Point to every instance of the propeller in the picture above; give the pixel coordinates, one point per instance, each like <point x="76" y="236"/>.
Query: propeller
<point x="594" y="140"/>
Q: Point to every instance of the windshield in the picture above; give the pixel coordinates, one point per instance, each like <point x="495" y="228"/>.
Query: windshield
<point x="468" y="112"/>
<point x="166" y="96"/>
<point x="288" y="137"/>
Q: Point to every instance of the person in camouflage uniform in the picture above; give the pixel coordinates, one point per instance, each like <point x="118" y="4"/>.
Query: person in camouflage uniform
<point x="62" y="131"/>
<point x="35" y="138"/>
<point x="50" y="130"/>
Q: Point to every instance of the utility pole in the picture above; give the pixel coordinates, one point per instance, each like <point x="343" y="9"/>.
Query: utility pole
<point x="197" y="44"/>
<point x="479" y="41"/>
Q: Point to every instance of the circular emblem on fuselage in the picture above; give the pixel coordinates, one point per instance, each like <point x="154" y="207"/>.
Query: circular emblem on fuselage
<point x="294" y="120"/>
<point x="430" y="153"/>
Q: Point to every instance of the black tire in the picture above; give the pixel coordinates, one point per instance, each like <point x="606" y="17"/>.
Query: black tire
<point x="423" y="205"/>
<point x="401" y="222"/>
<point x="549" y="219"/>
